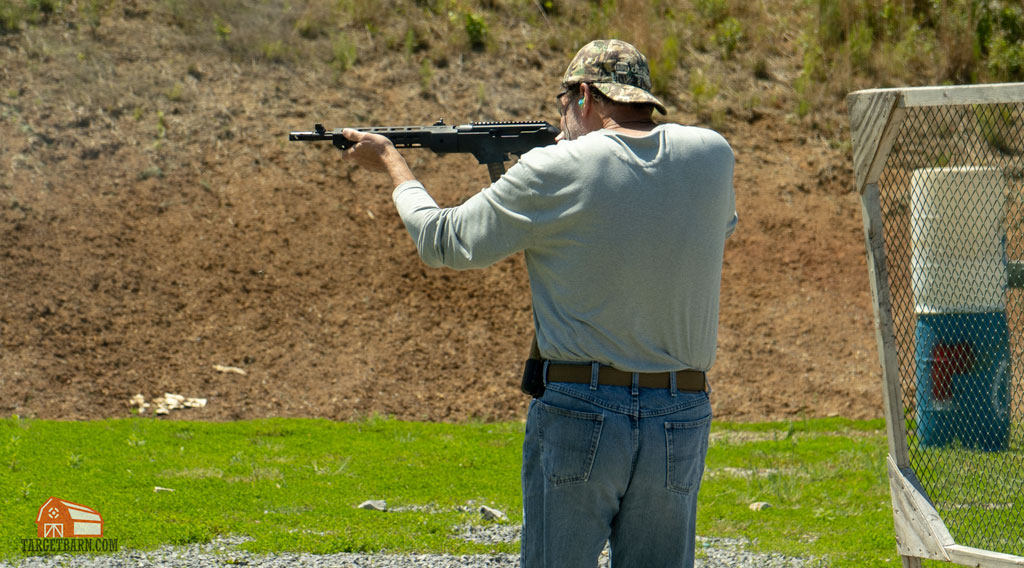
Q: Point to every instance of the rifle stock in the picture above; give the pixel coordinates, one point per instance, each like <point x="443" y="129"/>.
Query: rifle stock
<point x="489" y="142"/>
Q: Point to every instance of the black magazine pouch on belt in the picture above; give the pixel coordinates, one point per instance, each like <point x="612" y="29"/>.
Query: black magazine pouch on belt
<point x="533" y="372"/>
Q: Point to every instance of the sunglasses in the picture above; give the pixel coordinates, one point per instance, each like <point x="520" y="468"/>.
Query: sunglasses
<point x="564" y="107"/>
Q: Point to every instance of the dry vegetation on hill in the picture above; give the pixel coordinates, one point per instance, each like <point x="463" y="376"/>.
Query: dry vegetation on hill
<point x="155" y="222"/>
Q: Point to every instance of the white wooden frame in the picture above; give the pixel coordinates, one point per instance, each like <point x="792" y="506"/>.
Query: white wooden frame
<point x="875" y="119"/>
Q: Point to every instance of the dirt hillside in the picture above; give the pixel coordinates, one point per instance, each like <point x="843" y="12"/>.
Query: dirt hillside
<point x="159" y="234"/>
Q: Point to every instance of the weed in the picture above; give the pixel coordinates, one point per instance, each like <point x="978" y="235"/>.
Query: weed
<point x="481" y="95"/>
<point x="176" y="93"/>
<point x="719" y="120"/>
<point x="664" y="64"/>
<point x="702" y="89"/>
<point x="93" y="11"/>
<point x="426" y="75"/>
<point x="74" y="460"/>
<point x="274" y="51"/>
<point x="411" y="43"/>
<point x="161" y="125"/>
<point x="344" y="53"/>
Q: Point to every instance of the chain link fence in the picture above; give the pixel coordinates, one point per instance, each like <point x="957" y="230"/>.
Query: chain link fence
<point x="951" y="193"/>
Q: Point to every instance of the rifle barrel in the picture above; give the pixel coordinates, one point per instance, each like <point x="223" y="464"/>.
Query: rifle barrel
<point x="307" y="136"/>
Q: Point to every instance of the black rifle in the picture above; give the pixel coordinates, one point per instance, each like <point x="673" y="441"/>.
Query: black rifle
<point x="490" y="142"/>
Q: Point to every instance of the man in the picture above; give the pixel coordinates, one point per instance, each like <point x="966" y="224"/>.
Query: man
<point x="623" y="224"/>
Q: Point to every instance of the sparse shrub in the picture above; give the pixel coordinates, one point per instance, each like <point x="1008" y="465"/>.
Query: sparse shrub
<point x="915" y="54"/>
<point x="316" y="19"/>
<point x="222" y="30"/>
<point x="861" y="43"/>
<point x="307" y="28"/>
<point x="43" y="6"/>
<point x="1006" y="58"/>
<point x="476" y="30"/>
<point x="997" y="124"/>
<point x="15" y="13"/>
<point x="1001" y="36"/>
<point x="713" y="11"/>
<point x="813" y="71"/>
<point x="597" y="24"/>
<point x="831" y="26"/>
<point x="761" y="69"/>
<point x="10" y="21"/>
<point x="728" y="35"/>
<point x="344" y="53"/>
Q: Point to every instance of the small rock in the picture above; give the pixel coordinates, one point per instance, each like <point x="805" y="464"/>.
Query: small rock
<point x="374" y="505"/>
<point x="760" y="506"/>
<point x="194" y="402"/>
<point x="173" y="401"/>
<point x="230" y="369"/>
<point x="490" y="514"/>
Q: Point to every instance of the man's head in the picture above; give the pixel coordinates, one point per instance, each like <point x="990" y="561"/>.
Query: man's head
<point x="615" y="69"/>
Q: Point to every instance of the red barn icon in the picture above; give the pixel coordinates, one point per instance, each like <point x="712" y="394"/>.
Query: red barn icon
<point x="58" y="518"/>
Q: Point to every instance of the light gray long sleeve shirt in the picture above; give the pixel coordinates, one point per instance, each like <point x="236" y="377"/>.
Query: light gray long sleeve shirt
<point x="623" y="238"/>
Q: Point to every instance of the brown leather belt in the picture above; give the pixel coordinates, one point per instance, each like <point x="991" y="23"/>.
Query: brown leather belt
<point x="686" y="380"/>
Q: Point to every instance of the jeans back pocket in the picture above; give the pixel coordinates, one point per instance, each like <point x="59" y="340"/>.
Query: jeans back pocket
<point x="687" y="446"/>
<point x="568" y="443"/>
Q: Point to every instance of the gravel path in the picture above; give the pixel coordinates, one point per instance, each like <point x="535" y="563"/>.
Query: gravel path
<point x="223" y="552"/>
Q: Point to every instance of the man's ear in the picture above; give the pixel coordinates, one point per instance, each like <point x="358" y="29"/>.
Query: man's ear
<point x="586" y="98"/>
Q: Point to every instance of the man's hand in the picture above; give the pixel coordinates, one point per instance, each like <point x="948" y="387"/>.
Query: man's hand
<point x="376" y="153"/>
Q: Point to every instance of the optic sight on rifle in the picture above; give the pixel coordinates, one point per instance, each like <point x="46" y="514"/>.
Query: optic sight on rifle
<point x="490" y="142"/>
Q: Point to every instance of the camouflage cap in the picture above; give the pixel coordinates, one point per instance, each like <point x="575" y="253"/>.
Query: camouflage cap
<point x="618" y="70"/>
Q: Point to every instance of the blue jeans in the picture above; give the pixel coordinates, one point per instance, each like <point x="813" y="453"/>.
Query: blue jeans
<point x="616" y="464"/>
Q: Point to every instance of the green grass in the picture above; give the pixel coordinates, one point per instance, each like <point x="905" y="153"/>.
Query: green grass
<point x="294" y="484"/>
<point x="980" y="504"/>
<point x="289" y="484"/>
<point x="826" y="483"/>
